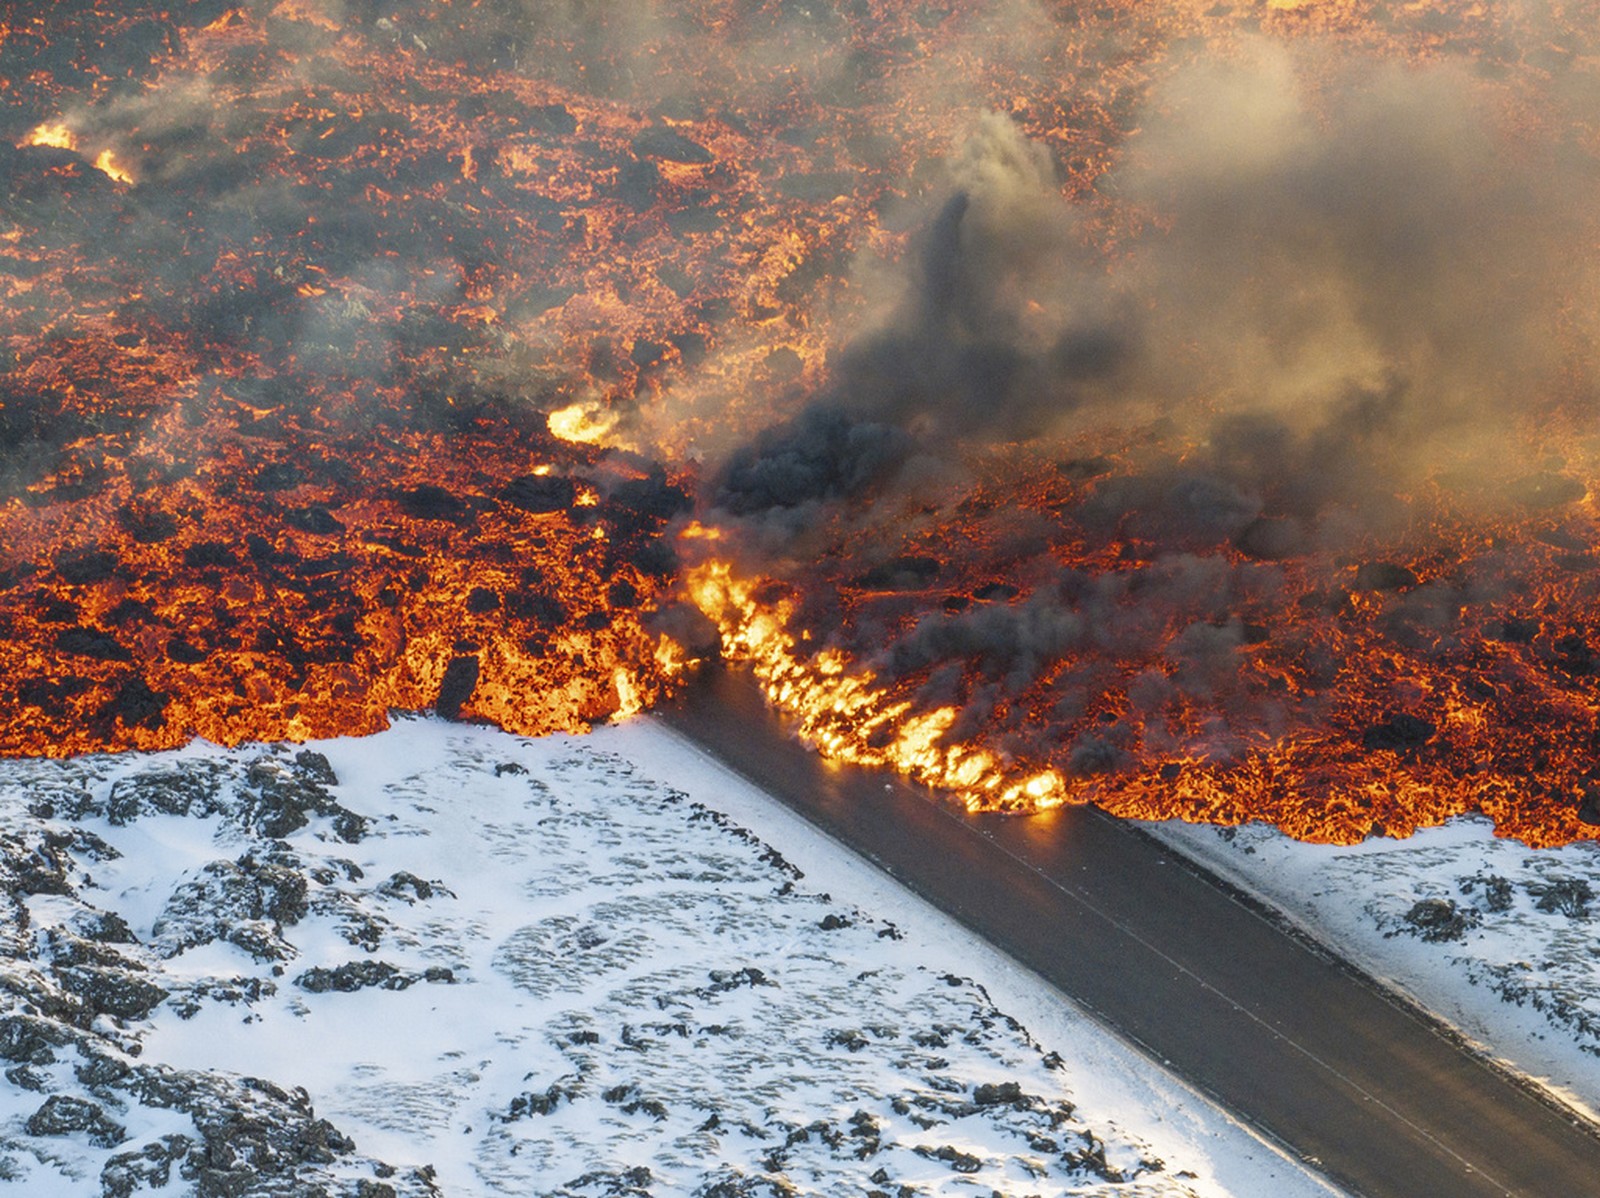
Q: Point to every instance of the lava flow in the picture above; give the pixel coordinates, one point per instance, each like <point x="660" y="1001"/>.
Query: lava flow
<point x="1186" y="408"/>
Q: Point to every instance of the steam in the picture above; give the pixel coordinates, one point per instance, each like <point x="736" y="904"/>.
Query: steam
<point x="1346" y="279"/>
<point x="1374" y="273"/>
<point x="1311" y="289"/>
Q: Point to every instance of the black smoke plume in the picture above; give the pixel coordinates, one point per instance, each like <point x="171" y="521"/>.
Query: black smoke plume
<point x="1347" y="278"/>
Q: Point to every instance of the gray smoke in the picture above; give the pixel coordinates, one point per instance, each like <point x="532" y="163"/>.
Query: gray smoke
<point x="1343" y="279"/>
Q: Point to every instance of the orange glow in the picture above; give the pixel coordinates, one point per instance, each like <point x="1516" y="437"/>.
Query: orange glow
<point x="398" y="368"/>
<point x="106" y="163"/>
<point x="55" y="135"/>
<point x="583" y="423"/>
<point x="846" y="717"/>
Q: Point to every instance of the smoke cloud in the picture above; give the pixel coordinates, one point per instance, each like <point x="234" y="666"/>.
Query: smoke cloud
<point x="1312" y="289"/>
<point x="1343" y="279"/>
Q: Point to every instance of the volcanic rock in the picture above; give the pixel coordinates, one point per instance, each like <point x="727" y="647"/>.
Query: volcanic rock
<point x="906" y="573"/>
<point x="148" y="1168"/>
<point x="1548" y="490"/>
<point x="654" y="558"/>
<point x="551" y="118"/>
<point x="315" y="768"/>
<point x="1512" y="630"/>
<point x="407" y="887"/>
<point x="992" y="1094"/>
<point x="1384" y="576"/>
<point x="1437" y="920"/>
<point x="106" y="927"/>
<point x="85" y="569"/>
<point x="146" y="525"/>
<point x="36" y="868"/>
<point x="353" y="976"/>
<point x="136" y="704"/>
<point x="91" y="642"/>
<point x="1398" y="733"/>
<point x="281" y="799"/>
<point x="539" y="493"/>
<point x="279" y="476"/>
<point x="1270" y="539"/>
<point x="131" y="611"/>
<point x="432" y="502"/>
<point x="54" y="610"/>
<point x="1574" y="655"/>
<point x="646" y="353"/>
<point x="189" y="790"/>
<point x="541" y="608"/>
<point x="671" y="146"/>
<point x="642" y="503"/>
<point x="1497" y="894"/>
<point x="637" y="181"/>
<point x="460" y="680"/>
<point x="32" y="1039"/>
<point x="246" y="902"/>
<point x="208" y="553"/>
<point x="995" y="591"/>
<point x="61" y="1115"/>
<point x="1566" y="896"/>
<point x="119" y="992"/>
<point x="315" y="519"/>
<point x="533" y="1104"/>
<point x="961" y="1162"/>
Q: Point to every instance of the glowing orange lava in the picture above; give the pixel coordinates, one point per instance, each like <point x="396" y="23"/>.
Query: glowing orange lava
<point x="363" y="357"/>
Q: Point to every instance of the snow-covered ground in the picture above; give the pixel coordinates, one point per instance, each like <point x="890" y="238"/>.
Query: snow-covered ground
<point x="448" y="960"/>
<point x="1497" y="939"/>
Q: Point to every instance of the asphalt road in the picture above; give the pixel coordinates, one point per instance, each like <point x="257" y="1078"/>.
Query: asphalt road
<point x="1297" y="1044"/>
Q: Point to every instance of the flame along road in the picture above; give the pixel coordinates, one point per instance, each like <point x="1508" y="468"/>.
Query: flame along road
<point x="1300" y="1045"/>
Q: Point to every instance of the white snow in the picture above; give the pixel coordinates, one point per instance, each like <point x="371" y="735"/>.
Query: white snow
<point x="1513" y="962"/>
<point x="623" y="976"/>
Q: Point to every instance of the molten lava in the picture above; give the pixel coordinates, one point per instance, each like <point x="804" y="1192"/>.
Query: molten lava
<point x="358" y="357"/>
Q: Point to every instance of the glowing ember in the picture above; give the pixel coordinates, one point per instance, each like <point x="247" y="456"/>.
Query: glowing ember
<point x="1185" y="408"/>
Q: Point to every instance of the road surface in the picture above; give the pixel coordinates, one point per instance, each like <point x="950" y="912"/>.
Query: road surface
<point x="1359" y="1085"/>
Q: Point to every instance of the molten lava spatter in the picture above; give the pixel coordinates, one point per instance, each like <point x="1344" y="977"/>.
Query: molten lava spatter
<point x="1430" y="676"/>
<point x="848" y="718"/>
<point x="1076" y="404"/>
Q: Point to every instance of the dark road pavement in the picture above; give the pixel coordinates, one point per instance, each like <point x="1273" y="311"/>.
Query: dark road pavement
<point x="1288" y="1038"/>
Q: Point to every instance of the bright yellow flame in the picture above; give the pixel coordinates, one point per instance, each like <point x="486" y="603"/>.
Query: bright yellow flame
<point x="53" y="134"/>
<point x="107" y="162"/>
<point x="629" y="702"/>
<point x="585" y="423"/>
<point x="671" y="657"/>
<point x="57" y="136"/>
<point x="846" y="715"/>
